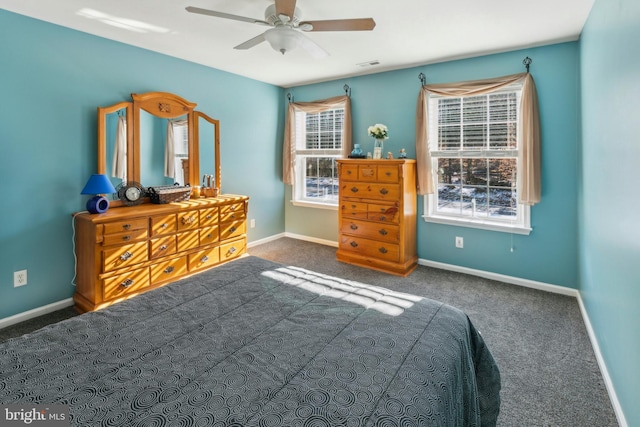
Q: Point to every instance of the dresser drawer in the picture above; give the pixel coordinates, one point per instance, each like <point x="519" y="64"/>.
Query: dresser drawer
<point x="188" y="220"/>
<point x="229" y="209"/>
<point x="208" y="235"/>
<point x="162" y="246"/>
<point x="349" y="172"/>
<point x="188" y="240"/>
<point x="388" y="174"/>
<point x="353" y="209"/>
<point x="371" y="230"/>
<point x="383" y="213"/>
<point x="128" y="236"/>
<point x="233" y="249"/>
<point x="208" y="217"/>
<point x="371" y="248"/>
<point x="163" y="224"/>
<point x="230" y="230"/>
<point x="122" y="284"/>
<point x="127" y="225"/>
<point x="204" y="259"/>
<point x="367" y="173"/>
<point x="123" y="256"/>
<point x="168" y="270"/>
<point x="233" y="216"/>
<point x="367" y="190"/>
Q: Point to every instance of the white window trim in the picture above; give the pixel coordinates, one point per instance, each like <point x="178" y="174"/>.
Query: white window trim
<point x="522" y="226"/>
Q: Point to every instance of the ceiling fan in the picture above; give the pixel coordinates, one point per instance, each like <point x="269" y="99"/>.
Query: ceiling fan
<point x="284" y="17"/>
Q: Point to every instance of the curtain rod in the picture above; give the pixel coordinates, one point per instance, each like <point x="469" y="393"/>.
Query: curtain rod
<point x="346" y="88"/>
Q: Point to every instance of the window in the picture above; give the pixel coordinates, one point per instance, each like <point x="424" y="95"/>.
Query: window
<point x="318" y="143"/>
<point x="474" y="147"/>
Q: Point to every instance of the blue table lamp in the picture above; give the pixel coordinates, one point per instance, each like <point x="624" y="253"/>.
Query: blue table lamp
<point x="98" y="184"/>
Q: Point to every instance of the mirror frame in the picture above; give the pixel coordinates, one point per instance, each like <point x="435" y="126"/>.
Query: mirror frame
<point x="164" y="105"/>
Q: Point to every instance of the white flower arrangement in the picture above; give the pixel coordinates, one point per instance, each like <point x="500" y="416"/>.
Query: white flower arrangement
<point x="378" y="131"/>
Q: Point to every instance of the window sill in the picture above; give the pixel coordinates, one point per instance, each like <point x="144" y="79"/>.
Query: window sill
<point x="476" y="223"/>
<point x="306" y="204"/>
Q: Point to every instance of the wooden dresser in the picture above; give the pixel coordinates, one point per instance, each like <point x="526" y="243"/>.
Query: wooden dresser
<point x="377" y="214"/>
<point x="129" y="250"/>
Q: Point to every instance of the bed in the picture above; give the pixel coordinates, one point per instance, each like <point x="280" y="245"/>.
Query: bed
<point x="256" y="343"/>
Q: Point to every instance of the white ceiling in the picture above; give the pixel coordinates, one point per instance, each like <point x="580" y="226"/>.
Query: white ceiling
<point x="408" y="32"/>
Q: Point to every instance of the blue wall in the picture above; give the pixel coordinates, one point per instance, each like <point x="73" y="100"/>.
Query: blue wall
<point x="609" y="184"/>
<point x="52" y="79"/>
<point x="549" y="253"/>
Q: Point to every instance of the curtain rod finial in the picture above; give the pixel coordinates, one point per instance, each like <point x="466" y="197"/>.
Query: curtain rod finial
<point x="347" y="90"/>
<point x="290" y="97"/>
<point x="423" y="78"/>
<point x="527" y="61"/>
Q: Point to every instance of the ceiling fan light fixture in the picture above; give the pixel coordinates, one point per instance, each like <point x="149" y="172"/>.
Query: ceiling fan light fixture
<point x="282" y="39"/>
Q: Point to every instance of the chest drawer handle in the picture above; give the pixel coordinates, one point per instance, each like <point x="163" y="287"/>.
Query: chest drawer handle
<point x="164" y="225"/>
<point x="388" y="173"/>
<point x="125" y="238"/>
<point x="204" y="259"/>
<point x="126" y="226"/>
<point x="127" y="283"/>
<point x="188" y="219"/>
<point x="383" y="218"/>
<point x="353" y="227"/>
<point x="354" y="244"/>
<point x="383" y="232"/>
<point x="231" y="250"/>
<point x="384" y="191"/>
<point x="125" y="256"/>
<point x="232" y="216"/>
<point x="232" y="229"/>
<point x="383" y="250"/>
<point x="209" y="236"/>
<point x="354" y="189"/>
<point x="169" y="269"/>
<point x="163" y="247"/>
<point x="209" y="216"/>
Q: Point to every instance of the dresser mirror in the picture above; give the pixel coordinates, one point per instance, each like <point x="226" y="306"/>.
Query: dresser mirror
<point x="158" y="139"/>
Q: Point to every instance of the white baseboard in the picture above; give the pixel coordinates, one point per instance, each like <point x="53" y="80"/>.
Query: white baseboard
<point x="312" y="239"/>
<point x="563" y="290"/>
<point x="265" y="240"/>
<point x="622" y="421"/>
<point x="36" y="312"/>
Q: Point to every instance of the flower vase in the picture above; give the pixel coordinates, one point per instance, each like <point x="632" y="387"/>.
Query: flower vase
<point x="377" y="148"/>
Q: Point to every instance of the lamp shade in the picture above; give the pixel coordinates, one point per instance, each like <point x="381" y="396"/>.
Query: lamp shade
<point x="98" y="184"/>
<point x="282" y="39"/>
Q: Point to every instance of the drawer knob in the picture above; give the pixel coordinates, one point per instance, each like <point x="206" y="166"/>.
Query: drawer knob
<point x="127" y="283"/>
<point x="383" y="250"/>
<point x="125" y="238"/>
<point x="232" y="216"/>
<point x="354" y="189"/>
<point x="383" y="218"/>
<point x="388" y="173"/>
<point x="209" y="236"/>
<point x="126" y="226"/>
<point x="125" y="256"/>
<point x="384" y="191"/>
<point x="204" y="259"/>
<point x="231" y="250"/>
<point x="232" y="229"/>
<point x="209" y="216"/>
<point x="354" y="244"/>
<point x="188" y="219"/>
<point x="163" y="247"/>
<point x="353" y="227"/>
<point x="169" y="269"/>
<point x="383" y="232"/>
<point x="164" y="225"/>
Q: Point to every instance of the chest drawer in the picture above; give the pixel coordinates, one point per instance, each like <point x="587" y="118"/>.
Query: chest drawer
<point x="126" y="225"/>
<point x="370" y="248"/>
<point x="208" y="217"/>
<point x="162" y="246"/>
<point x="167" y="270"/>
<point x="388" y="174"/>
<point x="367" y="190"/>
<point x="129" y="236"/>
<point x="123" y="284"/>
<point x="123" y="256"/>
<point x="371" y="230"/>
<point x="188" y="220"/>
<point x="163" y="224"/>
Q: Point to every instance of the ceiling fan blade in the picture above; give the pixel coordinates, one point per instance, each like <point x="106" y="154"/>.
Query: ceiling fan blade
<point x="359" y="24"/>
<point x="314" y="49"/>
<point x="251" y="43"/>
<point x="224" y="15"/>
<point x="286" y="7"/>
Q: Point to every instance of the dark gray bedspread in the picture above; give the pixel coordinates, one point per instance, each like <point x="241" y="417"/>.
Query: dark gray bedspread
<point x="254" y="343"/>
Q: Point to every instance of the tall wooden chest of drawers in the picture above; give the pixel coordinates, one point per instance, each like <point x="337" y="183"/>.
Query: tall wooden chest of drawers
<point x="377" y="214"/>
<point x="129" y="250"/>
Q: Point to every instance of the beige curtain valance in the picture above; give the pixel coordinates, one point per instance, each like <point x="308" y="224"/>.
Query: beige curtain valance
<point x="289" y="145"/>
<point x="529" y="125"/>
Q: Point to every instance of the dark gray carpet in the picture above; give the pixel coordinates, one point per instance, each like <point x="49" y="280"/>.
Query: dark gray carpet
<point x="550" y="376"/>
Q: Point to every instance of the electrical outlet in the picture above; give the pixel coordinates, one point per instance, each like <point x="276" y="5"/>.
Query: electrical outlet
<point x="459" y="242"/>
<point x="19" y="278"/>
<point x="252" y="223"/>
